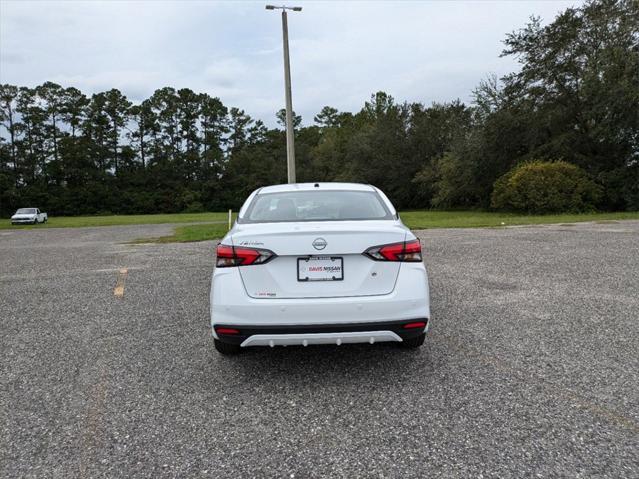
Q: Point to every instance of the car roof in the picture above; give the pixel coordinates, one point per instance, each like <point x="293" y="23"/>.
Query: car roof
<point x="311" y="187"/>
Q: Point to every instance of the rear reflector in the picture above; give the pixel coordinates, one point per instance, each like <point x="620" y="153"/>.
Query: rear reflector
<point x="415" y="325"/>
<point x="226" y="331"/>
<point x="406" y="251"/>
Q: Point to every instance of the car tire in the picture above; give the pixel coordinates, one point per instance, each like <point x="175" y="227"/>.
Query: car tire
<point x="226" y="348"/>
<point x="413" y="343"/>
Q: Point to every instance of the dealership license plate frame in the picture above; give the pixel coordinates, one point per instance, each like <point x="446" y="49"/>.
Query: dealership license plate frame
<point x="324" y="259"/>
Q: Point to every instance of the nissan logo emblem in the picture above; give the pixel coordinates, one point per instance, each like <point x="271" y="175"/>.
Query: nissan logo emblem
<point x="319" y="243"/>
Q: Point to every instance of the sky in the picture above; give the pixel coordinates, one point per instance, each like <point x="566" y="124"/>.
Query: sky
<point x="341" y="52"/>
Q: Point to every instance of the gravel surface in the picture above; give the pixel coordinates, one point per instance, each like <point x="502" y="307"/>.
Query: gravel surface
<point x="530" y="369"/>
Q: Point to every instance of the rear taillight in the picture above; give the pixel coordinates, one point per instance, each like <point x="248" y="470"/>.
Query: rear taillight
<point x="240" y="256"/>
<point x="410" y="251"/>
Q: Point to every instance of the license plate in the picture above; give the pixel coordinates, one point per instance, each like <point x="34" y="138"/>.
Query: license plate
<point x="320" y="268"/>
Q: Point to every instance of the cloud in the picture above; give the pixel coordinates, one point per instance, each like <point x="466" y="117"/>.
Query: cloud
<point x="226" y="73"/>
<point x="11" y="58"/>
<point x="134" y="83"/>
<point x="340" y="54"/>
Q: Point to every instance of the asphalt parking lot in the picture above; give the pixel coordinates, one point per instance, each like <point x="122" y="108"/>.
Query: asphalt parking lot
<point x="531" y="367"/>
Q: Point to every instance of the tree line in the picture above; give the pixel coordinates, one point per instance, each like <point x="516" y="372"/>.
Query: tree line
<point x="574" y="99"/>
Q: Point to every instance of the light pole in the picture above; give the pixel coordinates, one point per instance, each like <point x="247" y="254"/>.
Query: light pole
<point x="290" y="141"/>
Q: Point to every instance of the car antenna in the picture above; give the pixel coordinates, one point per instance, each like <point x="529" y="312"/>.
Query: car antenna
<point x="316" y="185"/>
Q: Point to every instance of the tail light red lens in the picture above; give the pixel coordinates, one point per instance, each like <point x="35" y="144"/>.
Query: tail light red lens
<point x="239" y="256"/>
<point x="407" y="251"/>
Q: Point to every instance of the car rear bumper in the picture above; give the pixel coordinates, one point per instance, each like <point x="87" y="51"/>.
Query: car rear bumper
<point x="23" y="221"/>
<point x="304" y="335"/>
<point x="230" y="305"/>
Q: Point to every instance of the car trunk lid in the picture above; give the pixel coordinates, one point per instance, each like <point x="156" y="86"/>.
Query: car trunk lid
<point x="324" y="243"/>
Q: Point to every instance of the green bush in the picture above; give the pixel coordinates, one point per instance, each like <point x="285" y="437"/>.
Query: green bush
<point x="545" y="187"/>
<point x="194" y="207"/>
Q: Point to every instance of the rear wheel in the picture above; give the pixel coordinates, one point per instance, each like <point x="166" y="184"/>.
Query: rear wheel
<point x="226" y="348"/>
<point x="412" y="343"/>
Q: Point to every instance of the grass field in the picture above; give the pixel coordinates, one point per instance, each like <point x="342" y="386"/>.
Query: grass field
<point x="214" y="225"/>
<point x="82" y="221"/>
<point x="418" y="220"/>
<point x="189" y="233"/>
<point x="478" y="219"/>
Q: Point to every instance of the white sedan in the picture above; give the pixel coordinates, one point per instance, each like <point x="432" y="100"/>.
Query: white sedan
<point x="318" y="263"/>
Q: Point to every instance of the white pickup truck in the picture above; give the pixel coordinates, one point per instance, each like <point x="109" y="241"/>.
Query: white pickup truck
<point x="29" y="216"/>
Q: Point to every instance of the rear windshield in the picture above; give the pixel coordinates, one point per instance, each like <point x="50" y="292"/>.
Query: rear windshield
<point x="26" y="211"/>
<point x="316" y="206"/>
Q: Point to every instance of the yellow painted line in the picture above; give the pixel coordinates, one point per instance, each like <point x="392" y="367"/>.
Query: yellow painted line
<point x="118" y="292"/>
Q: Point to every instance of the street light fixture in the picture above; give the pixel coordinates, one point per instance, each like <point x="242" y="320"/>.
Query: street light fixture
<point x="290" y="145"/>
<point x="283" y="7"/>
